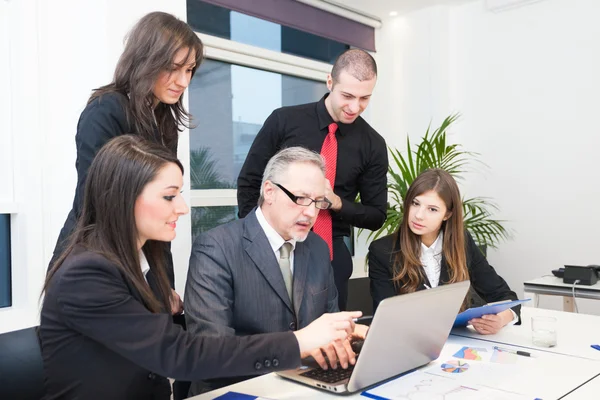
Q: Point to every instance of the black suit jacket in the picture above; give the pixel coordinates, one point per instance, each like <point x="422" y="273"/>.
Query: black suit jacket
<point x="235" y="285"/>
<point x="103" y="119"/>
<point x="100" y="342"/>
<point x="486" y="285"/>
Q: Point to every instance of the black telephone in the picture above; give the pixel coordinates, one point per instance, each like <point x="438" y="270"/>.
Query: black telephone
<point x="559" y="273"/>
<point x="583" y="275"/>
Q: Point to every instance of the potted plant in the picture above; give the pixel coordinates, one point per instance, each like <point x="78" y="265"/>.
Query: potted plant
<point x="435" y="152"/>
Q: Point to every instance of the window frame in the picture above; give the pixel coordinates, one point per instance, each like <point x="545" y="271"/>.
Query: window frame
<point x="232" y="52"/>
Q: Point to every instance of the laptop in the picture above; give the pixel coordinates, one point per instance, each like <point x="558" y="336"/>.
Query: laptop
<point x="407" y="331"/>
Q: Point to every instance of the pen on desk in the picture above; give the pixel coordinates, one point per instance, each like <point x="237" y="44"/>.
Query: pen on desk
<point x="596" y="346"/>
<point x="517" y="352"/>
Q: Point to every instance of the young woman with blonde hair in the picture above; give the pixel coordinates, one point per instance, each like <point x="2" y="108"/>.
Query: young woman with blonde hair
<point x="431" y="247"/>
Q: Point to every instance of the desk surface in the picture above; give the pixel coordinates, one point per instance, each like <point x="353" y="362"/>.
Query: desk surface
<point x="588" y="391"/>
<point x="553" y="281"/>
<point x="575" y="333"/>
<point x="274" y="387"/>
<point x="561" y="375"/>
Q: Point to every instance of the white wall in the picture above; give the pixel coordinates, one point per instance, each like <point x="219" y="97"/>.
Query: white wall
<point x="526" y="82"/>
<point x="58" y="52"/>
<point x="414" y="57"/>
<point x="529" y="92"/>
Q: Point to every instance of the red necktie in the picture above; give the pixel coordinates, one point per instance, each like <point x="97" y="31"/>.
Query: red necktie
<point x="322" y="225"/>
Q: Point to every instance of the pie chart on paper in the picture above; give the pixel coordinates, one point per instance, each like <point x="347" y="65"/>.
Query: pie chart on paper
<point x="455" y="366"/>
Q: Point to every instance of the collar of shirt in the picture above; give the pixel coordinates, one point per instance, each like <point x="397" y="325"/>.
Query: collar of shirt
<point x="325" y="118"/>
<point x="431" y="259"/>
<point x="275" y="240"/>
<point x="144" y="264"/>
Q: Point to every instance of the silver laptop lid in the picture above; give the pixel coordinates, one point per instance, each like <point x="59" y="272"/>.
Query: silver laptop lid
<point x="407" y="331"/>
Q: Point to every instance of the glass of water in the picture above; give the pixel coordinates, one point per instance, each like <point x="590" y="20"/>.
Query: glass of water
<point x="544" y="331"/>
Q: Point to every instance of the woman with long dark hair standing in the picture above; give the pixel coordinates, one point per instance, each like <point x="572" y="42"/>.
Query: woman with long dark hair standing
<point x="431" y="247"/>
<point x="160" y="57"/>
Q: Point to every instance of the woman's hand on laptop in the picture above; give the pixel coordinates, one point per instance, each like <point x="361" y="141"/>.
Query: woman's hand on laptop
<point x="326" y="329"/>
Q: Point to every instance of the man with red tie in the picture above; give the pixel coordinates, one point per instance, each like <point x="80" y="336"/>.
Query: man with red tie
<point x="355" y="157"/>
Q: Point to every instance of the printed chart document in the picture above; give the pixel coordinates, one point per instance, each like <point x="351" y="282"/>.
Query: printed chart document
<point x="469" y="368"/>
<point x="420" y="385"/>
<point x="493" y="308"/>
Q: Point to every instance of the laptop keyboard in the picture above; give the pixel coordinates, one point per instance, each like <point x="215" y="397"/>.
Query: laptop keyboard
<point x="329" y="375"/>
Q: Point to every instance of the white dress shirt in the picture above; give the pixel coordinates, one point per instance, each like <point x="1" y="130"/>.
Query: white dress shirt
<point x="144" y="264"/>
<point x="431" y="259"/>
<point x="275" y="240"/>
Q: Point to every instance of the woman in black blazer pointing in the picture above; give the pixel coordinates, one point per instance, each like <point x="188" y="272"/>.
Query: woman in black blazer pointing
<point x="432" y="247"/>
<point x="106" y="330"/>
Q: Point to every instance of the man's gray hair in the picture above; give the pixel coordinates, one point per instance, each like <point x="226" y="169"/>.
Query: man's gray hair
<point x="279" y="163"/>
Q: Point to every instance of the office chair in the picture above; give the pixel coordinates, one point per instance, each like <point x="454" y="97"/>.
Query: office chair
<point x="21" y="365"/>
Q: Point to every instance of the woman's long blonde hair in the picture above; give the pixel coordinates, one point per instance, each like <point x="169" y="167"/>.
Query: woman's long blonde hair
<point x="407" y="268"/>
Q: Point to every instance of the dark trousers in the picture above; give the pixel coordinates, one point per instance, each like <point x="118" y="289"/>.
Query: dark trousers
<point x="342" y="270"/>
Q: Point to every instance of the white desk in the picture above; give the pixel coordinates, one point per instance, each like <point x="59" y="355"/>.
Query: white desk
<point x="553" y="286"/>
<point x="575" y="334"/>
<point x="588" y="391"/>
<point x="274" y="387"/>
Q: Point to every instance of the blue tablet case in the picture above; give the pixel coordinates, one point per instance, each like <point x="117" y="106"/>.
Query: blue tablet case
<point x="492" y="308"/>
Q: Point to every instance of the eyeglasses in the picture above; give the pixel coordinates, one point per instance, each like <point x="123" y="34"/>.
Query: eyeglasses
<point x="306" y="201"/>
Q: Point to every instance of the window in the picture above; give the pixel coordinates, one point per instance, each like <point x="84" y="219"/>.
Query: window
<point x="252" y="67"/>
<point x="5" y="261"/>
<point x="206" y="218"/>
<point x="242" y="28"/>
<point x="229" y="104"/>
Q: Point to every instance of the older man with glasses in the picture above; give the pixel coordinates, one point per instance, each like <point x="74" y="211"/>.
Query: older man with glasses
<point x="268" y="272"/>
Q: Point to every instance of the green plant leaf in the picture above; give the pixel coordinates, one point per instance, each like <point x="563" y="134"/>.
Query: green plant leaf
<point x="435" y="152"/>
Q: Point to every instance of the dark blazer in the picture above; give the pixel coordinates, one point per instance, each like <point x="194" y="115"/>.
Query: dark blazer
<point x="487" y="286"/>
<point x="235" y="285"/>
<point x="100" y="342"/>
<point x="102" y="119"/>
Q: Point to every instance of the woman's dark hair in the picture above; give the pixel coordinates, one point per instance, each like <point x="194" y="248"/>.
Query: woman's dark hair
<point x="150" y="49"/>
<point x="107" y="225"/>
<point x="406" y="262"/>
